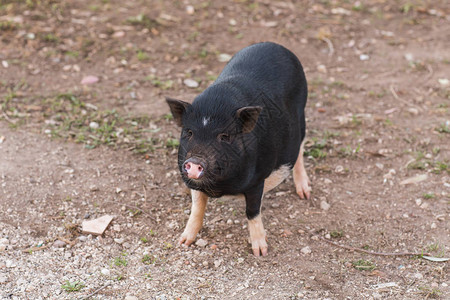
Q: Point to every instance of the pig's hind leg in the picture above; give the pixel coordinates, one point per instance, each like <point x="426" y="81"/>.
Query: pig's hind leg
<point x="195" y="221"/>
<point x="301" y="180"/>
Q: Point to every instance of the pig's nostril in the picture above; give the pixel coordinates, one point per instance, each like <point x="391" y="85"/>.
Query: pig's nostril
<point x="187" y="166"/>
<point x="200" y="168"/>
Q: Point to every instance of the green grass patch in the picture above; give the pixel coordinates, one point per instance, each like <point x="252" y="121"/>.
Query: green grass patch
<point x="72" y="286"/>
<point x="365" y="265"/>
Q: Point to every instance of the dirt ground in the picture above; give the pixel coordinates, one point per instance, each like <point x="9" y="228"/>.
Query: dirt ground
<point x="74" y="148"/>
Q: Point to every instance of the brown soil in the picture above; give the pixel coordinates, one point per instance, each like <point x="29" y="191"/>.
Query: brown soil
<point x="372" y="123"/>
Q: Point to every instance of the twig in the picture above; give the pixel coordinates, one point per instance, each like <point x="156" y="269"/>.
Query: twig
<point x="7" y="118"/>
<point x="97" y="291"/>
<point x="145" y="192"/>
<point x="430" y="74"/>
<point x="330" y="45"/>
<point x="369" y="252"/>
<point x="394" y="93"/>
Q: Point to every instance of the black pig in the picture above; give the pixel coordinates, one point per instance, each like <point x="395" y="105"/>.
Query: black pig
<point x="243" y="135"/>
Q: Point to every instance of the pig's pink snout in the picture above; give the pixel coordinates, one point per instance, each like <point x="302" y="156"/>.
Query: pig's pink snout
<point x="193" y="169"/>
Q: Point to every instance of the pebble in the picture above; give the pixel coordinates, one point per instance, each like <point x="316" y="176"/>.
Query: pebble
<point x="132" y="298"/>
<point x="418" y="201"/>
<point x="364" y="57"/>
<point x="433" y="225"/>
<point x="10" y="264"/>
<point x="90" y="79"/>
<point x="327" y="181"/>
<point x="306" y="250"/>
<point x="94" y="125"/>
<point x="190" y="10"/>
<point x="418" y="276"/>
<point x="339" y="169"/>
<point x="217" y="263"/>
<point x="224" y="57"/>
<point x="324" y="205"/>
<point x="191" y="83"/>
<point x="3" y="278"/>
<point x="105" y="272"/>
<point x="322" y="68"/>
<point x="201" y="243"/>
<point x="59" y="244"/>
<point x="119" y="240"/>
<point x="82" y="238"/>
<point x="5" y="64"/>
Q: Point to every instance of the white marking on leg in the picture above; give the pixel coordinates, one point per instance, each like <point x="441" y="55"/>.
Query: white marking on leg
<point x="195" y="221"/>
<point x="276" y="177"/>
<point x="257" y="236"/>
<point x="301" y="180"/>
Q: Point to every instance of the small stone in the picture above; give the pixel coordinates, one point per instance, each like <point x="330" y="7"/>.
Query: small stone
<point x="339" y="169"/>
<point x="322" y="68"/>
<point x="240" y="260"/>
<point x="10" y="264"/>
<point x="116" y="227"/>
<point x="433" y="225"/>
<point x="232" y="22"/>
<point x="82" y="238"/>
<point x="217" y="263"/>
<point x="5" y="64"/>
<point x="3" y="279"/>
<point x="306" y="250"/>
<point x="444" y="81"/>
<point x="90" y="79"/>
<point x="379" y="166"/>
<point x="418" y="201"/>
<point x="328" y="236"/>
<point x="67" y="255"/>
<point x="444" y="284"/>
<point x="409" y="56"/>
<point x="59" y="244"/>
<point x="418" y="276"/>
<point x="105" y="272"/>
<point x="364" y="57"/>
<point x="94" y="125"/>
<point x="135" y="298"/>
<point x="324" y="205"/>
<point x="213" y="247"/>
<point x="118" y="34"/>
<point x="119" y="241"/>
<point x="327" y="181"/>
<point x="224" y="57"/>
<point x="191" y="83"/>
<point x="201" y="243"/>
<point x="190" y="10"/>
<point x="96" y="226"/>
<point x="205" y="264"/>
<point x="424" y="205"/>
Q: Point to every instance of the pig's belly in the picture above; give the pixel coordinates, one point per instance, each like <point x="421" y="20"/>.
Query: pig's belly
<point x="271" y="182"/>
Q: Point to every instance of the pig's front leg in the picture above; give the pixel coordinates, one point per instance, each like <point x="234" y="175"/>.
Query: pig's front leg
<point x="195" y="221"/>
<point x="253" y="210"/>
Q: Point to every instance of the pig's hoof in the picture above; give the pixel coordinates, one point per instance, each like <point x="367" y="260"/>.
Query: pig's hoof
<point x="259" y="247"/>
<point x="186" y="239"/>
<point x="303" y="188"/>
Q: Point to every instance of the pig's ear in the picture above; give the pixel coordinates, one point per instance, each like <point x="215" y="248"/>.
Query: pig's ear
<point x="177" y="108"/>
<point x="248" y="116"/>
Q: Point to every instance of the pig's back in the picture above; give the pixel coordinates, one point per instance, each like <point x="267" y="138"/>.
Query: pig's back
<point x="271" y="76"/>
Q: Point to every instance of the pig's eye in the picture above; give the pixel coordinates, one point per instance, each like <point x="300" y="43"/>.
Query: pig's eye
<point x="189" y="133"/>
<point x="224" y="137"/>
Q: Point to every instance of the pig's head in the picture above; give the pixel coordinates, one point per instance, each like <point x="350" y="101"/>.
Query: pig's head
<point x="214" y="144"/>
